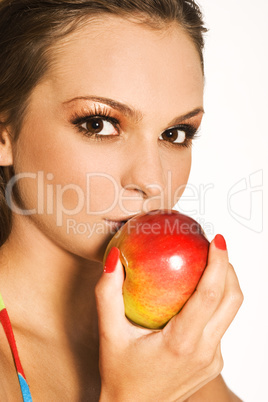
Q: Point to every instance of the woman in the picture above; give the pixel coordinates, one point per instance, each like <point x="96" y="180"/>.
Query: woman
<point x="99" y="104"/>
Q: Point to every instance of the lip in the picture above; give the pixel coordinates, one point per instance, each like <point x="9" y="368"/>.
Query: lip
<point x="115" y="223"/>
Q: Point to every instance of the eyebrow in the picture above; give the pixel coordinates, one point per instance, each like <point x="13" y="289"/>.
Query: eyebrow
<point x="128" y="111"/>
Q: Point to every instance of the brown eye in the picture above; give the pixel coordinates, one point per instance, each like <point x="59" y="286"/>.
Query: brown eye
<point x="98" y="125"/>
<point x="173" y="135"/>
<point x="95" y="125"/>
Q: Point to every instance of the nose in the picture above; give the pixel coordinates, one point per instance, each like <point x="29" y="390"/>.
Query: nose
<point x="144" y="171"/>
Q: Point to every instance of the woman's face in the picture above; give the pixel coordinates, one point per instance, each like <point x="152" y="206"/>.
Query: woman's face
<point x="83" y="173"/>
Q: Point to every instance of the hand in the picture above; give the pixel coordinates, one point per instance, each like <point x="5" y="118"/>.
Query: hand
<point x="138" y="364"/>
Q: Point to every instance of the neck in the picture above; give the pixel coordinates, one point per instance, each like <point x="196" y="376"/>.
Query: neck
<point x="45" y="288"/>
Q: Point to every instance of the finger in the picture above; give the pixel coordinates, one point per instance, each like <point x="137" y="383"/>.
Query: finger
<point x="227" y="310"/>
<point x="109" y="299"/>
<point x="198" y="310"/>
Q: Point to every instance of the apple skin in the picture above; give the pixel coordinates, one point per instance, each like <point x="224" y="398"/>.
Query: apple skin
<point x="164" y="254"/>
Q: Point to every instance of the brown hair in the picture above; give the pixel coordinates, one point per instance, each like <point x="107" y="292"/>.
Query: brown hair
<point x="29" y="28"/>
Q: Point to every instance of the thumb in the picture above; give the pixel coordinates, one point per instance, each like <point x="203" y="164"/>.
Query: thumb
<point x="109" y="299"/>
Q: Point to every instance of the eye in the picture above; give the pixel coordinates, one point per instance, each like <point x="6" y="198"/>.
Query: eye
<point x="174" y="135"/>
<point x="99" y="125"/>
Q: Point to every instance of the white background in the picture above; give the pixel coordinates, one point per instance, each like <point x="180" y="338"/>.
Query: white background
<point x="230" y="159"/>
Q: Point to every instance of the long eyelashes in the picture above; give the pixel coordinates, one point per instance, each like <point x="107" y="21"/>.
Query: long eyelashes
<point x="181" y="135"/>
<point x="96" y="114"/>
<point x="178" y="136"/>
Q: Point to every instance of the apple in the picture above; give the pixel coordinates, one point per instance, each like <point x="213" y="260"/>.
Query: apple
<point x="164" y="254"/>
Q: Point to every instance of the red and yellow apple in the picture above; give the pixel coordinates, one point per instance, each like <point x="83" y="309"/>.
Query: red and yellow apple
<point x="164" y="254"/>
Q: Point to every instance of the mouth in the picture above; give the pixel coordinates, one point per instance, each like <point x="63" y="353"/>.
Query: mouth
<point x="116" y="224"/>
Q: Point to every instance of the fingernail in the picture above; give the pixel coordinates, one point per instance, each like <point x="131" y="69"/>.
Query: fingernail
<point x="220" y="242"/>
<point x="111" y="260"/>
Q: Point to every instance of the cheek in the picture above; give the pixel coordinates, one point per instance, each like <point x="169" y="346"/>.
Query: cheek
<point x="69" y="172"/>
<point x="177" y="176"/>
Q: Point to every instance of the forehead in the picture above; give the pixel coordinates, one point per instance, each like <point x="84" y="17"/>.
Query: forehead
<point x="118" y="58"/>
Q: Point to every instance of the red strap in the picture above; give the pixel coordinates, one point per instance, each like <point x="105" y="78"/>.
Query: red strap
<point x="4" y="319"/>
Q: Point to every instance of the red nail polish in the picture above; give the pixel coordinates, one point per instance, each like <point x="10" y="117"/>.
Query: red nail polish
<point x="220" y="242"/>
<point x="111" y="260"/>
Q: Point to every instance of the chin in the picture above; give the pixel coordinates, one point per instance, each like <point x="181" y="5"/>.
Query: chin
<point x="92" y="249"/>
